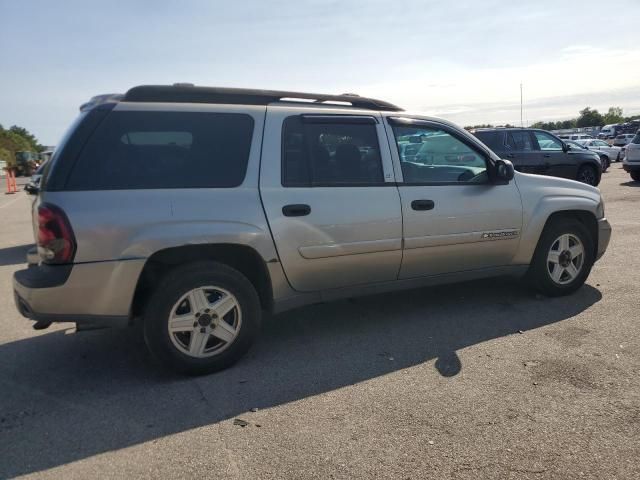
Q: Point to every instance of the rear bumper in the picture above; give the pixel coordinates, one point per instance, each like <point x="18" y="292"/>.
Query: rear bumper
<point x="604" y="236"/>
<point x="97" y="293"/>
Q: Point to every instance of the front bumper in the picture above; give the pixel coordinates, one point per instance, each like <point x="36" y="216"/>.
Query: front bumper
<point x="631" y="167"/>
<point x="604" y="236"/>
<point x="98" y="293"/>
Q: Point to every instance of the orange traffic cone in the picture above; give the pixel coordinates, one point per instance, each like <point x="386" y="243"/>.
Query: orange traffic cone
<point x="11" y="182"/>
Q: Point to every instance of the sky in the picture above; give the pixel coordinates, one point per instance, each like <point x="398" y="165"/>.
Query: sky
<point x="460" y="60"/>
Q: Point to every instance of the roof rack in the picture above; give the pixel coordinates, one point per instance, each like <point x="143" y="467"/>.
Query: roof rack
<point x="186" y="93"/>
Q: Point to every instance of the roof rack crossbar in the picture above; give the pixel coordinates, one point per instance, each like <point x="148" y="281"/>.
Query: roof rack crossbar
<point x="190" y="94"/>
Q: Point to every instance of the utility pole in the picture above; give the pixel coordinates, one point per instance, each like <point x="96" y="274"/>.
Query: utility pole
<point x="521" y="123"/>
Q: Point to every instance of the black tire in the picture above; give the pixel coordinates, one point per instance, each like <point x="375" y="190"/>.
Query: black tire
<point x="589" y="175"/>
<point x="635" y="176"/>
<point x="539" y="275"/>
<point x="605" y="163"/>
<point x="177" y="283"/>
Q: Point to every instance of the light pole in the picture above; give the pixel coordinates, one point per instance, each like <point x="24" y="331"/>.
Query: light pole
<point x="521" y="122"/>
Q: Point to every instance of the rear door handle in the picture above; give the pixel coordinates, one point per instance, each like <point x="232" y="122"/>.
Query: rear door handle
<point x="423" y="204"/>
<point x="547" y="155"/>
<point x="510" y="155"/>
<point x="296" y="210"/>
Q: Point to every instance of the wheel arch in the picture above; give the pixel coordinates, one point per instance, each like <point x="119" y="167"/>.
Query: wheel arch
<point x="243" y="258"/>
<point x="551" y="209"/>
<point x="585" y="217"/>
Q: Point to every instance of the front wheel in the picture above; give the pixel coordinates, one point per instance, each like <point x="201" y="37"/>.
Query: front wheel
<point x="563" y="258"/>
<point x="588" y="174"/>
<point x="635" y="176"/>
<point x="605" y="163"/>
<point x="202" y="318"/>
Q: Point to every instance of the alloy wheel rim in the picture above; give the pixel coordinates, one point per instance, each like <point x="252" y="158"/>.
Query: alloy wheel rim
<point x="565" y="259"/>
<point x="205" y="321"/>
<point x="588" y="176"/>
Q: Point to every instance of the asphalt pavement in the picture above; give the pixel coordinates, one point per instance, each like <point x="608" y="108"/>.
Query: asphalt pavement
<point x="476" y="380"/>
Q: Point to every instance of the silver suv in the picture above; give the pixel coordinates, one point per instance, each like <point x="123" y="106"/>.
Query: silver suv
<point x="197" y="209"/>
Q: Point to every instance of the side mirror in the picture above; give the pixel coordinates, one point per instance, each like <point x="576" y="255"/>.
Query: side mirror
<point x="566" y="147"/>
<point x="504" y="171"/>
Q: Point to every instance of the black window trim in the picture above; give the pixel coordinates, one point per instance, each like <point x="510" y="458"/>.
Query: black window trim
<point x="407" y="121"/>
<point x="314" y="118"/>
<point x="329" y="119"/>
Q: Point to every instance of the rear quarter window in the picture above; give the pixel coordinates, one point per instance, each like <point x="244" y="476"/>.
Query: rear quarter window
<point x="154" y="150"/>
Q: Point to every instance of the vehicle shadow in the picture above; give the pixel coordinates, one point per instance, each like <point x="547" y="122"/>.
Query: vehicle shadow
<point x="14" y="255"/>
<point x="630" y="183"/>
<point x="70" y="397"/>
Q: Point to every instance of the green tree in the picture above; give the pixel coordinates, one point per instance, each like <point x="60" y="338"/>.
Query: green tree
<point x="589" y="118"/>
<point x="614" y="115"/>
<point x="28" y="136"/>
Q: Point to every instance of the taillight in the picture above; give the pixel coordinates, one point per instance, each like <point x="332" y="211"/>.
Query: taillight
<point x="56" y="243"/>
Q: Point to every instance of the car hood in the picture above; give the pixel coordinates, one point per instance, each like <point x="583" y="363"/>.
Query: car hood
<point x="548" y="185"/>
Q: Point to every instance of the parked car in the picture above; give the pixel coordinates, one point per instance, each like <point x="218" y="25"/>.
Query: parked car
<point x="612" y="154"/>
<point x="34" y="182"/>
<point x="575" y="136"/>
<point x="538" y="151"/>
<point x="631" y="162"/>
<point x="623" y="139"/>
<point x="195" y="209"/>
<point x="577" y="147"/>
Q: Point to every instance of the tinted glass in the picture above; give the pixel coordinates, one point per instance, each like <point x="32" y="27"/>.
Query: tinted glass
<point x="431" y="155"/>
<point x="547" y="142"/>
<point x="519" y="141"/>
<point x="636" y="139"/>
<point x="491" y="140"/>
<point x="142" y="150"/>
<point x="332" y="154"/>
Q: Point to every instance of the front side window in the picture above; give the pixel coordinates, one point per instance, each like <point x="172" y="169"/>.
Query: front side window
<point x="429" y="155"/>
<point x="330" y="154"/>
<point x="153" y="150"/>
<point x="547" y="142"/>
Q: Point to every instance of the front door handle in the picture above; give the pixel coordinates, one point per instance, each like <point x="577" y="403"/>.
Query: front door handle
<point x="547" y="155"/>
<point x="296" y="210"/>
<point x="510" y="155"/>
<point x="423" y="204"/>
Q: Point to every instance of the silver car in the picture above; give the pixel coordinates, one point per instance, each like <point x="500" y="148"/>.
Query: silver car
<point x="195" y="210"/>
<point x="612" y="153"/>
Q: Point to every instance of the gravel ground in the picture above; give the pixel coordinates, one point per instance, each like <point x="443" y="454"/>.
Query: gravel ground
<point x="476" y="380"/>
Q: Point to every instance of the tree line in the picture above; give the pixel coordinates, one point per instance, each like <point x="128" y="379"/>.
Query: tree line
<point x="587" y="117"/>
<point x="17" y="139"/>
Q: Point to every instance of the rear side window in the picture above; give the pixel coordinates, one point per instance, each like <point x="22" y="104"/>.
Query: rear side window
<point x="144" y="150"/>
<point x="519" y="141"/>
<point x="330" y="154"/>
<point x="490" y="139"/>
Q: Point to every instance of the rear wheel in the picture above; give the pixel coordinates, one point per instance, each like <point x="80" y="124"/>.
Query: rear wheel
<point x="202" y="318"/>
<point x="563" y="257"/>
<point x="588" y="174"/>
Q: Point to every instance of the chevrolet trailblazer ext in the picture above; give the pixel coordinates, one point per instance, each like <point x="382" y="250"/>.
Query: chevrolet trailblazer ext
<point x="196" y="209"/>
